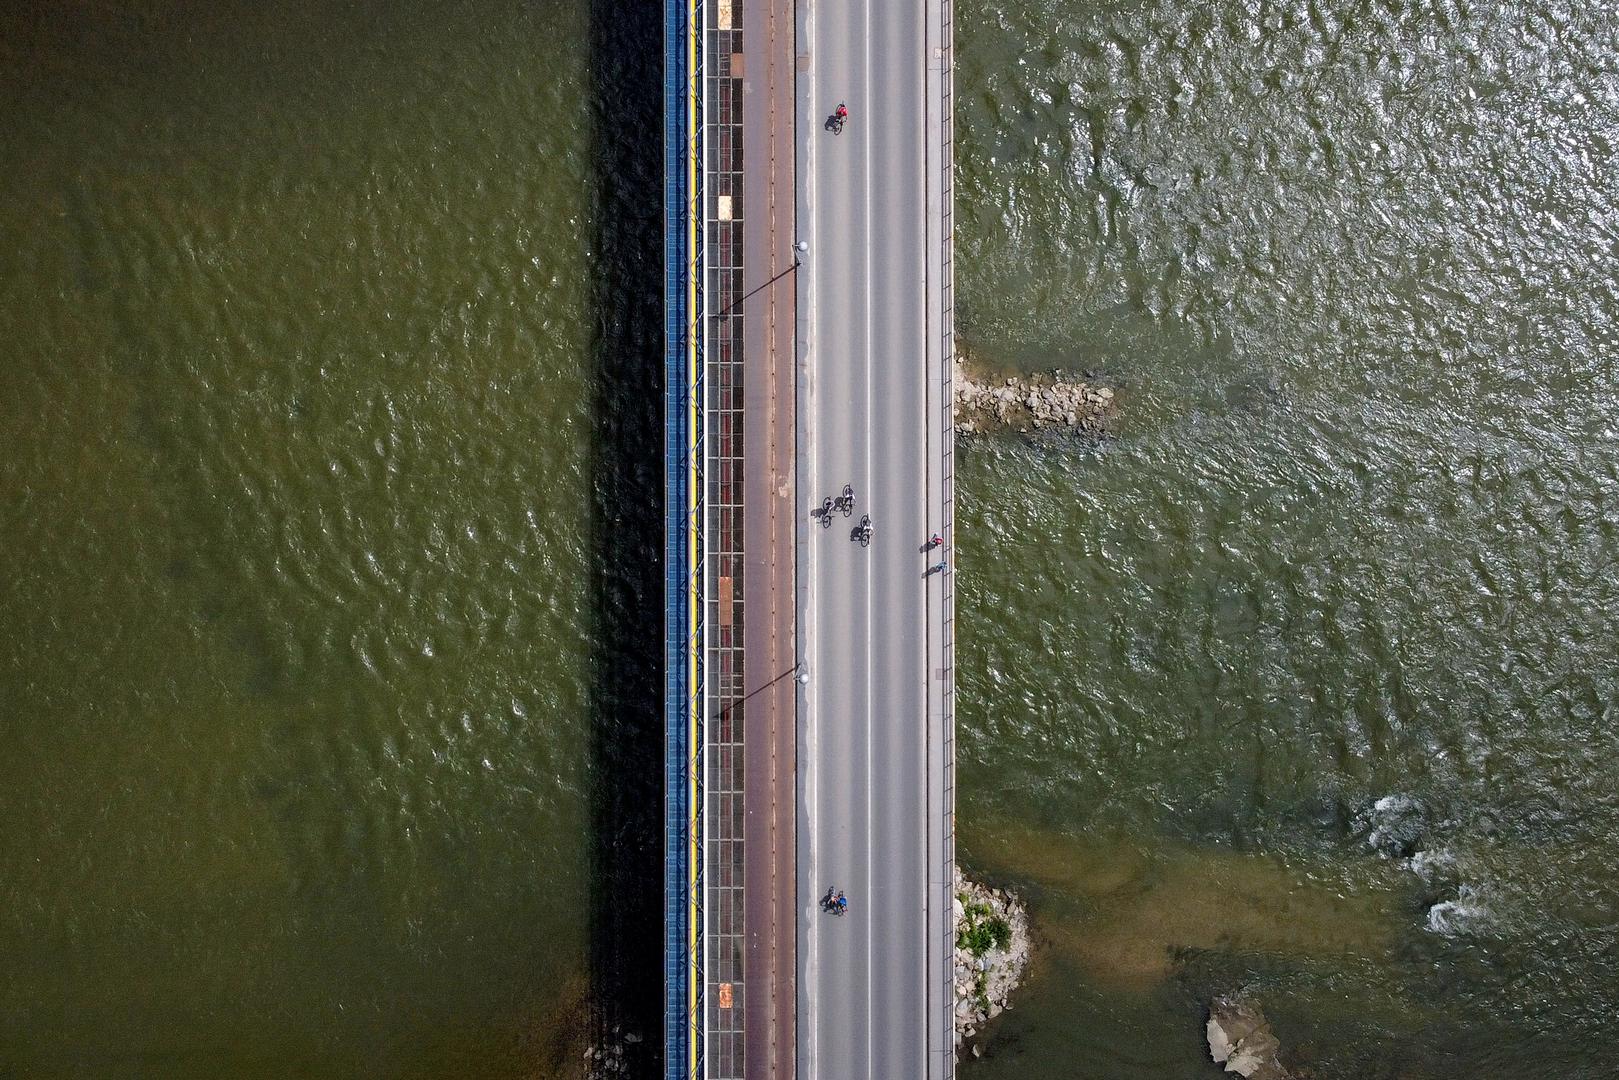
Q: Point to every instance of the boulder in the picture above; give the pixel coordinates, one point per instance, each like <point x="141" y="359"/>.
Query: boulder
<point x="1240" y="1038"/>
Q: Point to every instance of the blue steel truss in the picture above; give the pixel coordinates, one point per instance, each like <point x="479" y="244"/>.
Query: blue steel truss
<point x="683" y="573"/>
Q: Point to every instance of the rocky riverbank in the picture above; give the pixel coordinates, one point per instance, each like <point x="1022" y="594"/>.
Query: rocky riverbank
<point x="1050" y="402"/>
<point x="992" y="951"/>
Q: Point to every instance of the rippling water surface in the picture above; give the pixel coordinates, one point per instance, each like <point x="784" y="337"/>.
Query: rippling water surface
<point x="1305" y="682"/>
<point x="295" y="426"/>
<point x="322" y="441"/>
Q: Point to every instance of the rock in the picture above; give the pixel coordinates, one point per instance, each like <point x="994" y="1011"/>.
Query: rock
<point x="1028" y="403"/>
<point x="986" y="975"/>
<point x="1394" y="825"/>
<point x="1241" y="1039"/>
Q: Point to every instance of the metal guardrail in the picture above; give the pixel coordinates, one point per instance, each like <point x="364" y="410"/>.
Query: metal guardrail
<point x="948" y="470"/>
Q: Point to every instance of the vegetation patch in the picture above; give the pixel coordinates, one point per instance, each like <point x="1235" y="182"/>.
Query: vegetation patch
<point x="981" y="928"/>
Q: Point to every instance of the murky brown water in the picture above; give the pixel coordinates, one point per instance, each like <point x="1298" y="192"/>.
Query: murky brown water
<point x="319" y="601"/>
<point x="295" y="468"/>
<point x="1305" y="682"/>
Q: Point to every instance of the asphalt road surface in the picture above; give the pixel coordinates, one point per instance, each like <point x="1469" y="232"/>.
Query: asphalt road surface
<point x="864" y="992"/>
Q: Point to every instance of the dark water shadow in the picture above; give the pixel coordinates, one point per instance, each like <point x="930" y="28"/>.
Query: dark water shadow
<point x="625" y="531"/>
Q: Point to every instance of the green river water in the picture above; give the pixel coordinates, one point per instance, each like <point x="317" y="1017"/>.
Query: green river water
<point x="328" y="473"/>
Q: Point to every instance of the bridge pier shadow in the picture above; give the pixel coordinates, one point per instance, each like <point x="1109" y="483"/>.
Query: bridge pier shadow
<point x="626" y="529"/>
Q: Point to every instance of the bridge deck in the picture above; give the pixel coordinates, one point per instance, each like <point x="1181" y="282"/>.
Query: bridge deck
<point x="786" y="382"/>
<point x="876" y="756"/>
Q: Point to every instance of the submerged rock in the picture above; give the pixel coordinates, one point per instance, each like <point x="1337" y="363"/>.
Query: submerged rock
<point x="1394" y="825"/>
<point x="1240" y="1038"/>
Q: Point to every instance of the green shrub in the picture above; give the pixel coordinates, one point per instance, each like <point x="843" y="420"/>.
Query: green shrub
<point x="979" y="934"/>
